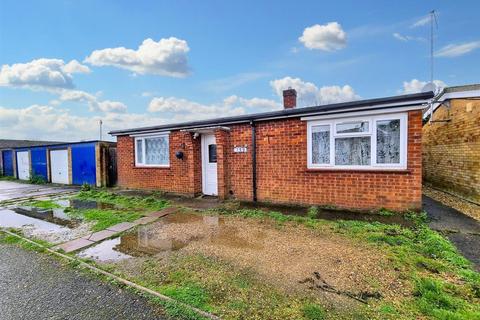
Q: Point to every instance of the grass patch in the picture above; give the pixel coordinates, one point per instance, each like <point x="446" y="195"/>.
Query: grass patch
<point x="150" y="203"/>
<point x="216" y="286"/>
<point x="44" y="204"/>
<point x="313" y="312"/>
<point x="8" y="178"/>
<point x="104" y="218"/>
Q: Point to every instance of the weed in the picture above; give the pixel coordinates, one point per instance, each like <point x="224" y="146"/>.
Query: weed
<point x="86" y="187"/>
<point x="312" y="212"/>
<point x="36" y="179"/>
<point x="313" y="312"/>
<point x="385" y="212"/>
<point x="44" y="204"/>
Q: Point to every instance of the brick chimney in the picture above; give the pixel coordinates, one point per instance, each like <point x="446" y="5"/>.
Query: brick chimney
<point x="289" y="98"/>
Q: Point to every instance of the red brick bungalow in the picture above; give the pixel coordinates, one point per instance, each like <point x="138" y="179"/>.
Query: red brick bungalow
<point x="359" y="155"/>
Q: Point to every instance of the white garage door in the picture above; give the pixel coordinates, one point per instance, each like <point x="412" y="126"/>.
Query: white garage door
<point x="23" y="165"/>
<point x="59" y="166"/>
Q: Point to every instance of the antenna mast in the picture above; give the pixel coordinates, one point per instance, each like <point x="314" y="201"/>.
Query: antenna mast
<point x="433" y="20"/>
<point x="100" y="122"/>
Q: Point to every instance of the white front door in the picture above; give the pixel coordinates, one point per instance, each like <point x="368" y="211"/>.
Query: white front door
<point x="209" y="165"/>
<point x="59" y="166"/>
<point x="23" y="165"/>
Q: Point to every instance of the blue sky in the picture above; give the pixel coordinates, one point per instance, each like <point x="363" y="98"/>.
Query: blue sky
<point x="214" y="58"/>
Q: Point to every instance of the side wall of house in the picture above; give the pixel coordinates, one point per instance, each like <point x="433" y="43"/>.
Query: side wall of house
<point x="179" y="177"/>
<point x="282" y="174"/>
<point x="451" y="150"/>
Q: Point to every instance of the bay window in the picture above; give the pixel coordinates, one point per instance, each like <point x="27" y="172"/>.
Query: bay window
<point x="152" y="151"/>
<point x="358" y="143"/>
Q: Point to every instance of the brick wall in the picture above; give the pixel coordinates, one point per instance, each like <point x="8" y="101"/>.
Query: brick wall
<point x="451" y="155"/>
<point x="178" y="178"/>
<point x="282" y="174"/>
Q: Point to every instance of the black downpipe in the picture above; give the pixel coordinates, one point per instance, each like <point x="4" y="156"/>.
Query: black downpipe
<point x="254" y="161"/>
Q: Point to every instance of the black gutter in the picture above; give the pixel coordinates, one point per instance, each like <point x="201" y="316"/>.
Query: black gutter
<point x="254" y="161"/>
<point x="296" y="112"/>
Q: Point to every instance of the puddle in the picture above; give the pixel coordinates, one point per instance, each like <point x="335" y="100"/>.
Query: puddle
<point x="330" y="214"/>
<point x="55" y="216"/>
<point x="84" y="204"/>
<point x="49" y="225"/>
<point x="104" y="251"/>
<point x="12" y="219"/>
<point x="170" y="233"/>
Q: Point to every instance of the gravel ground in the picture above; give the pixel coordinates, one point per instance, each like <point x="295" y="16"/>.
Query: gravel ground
<point x="283" y="256"/>
<point x="36" y="286"/>
<point x="466" y="207"/>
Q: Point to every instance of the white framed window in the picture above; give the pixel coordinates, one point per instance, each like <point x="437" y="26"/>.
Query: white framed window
<point x="152" y="151"/>
<point x="375" y="142"/>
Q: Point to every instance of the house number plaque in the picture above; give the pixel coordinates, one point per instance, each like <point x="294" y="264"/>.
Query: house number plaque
<point x="240" y="149"/>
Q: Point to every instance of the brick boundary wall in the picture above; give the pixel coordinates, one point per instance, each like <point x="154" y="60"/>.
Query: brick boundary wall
<point x="282" y="174"/>
<point x="451" y="154"/>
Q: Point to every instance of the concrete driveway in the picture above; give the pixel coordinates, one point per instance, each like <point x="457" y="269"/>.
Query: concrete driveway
<point x="462" y="230"/>
<point x="11" y="191"/>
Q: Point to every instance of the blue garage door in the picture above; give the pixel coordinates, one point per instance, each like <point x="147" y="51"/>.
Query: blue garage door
<point x="7" y="157"/>
<point x="83" y="164"/>
<point x="39" y="162"/>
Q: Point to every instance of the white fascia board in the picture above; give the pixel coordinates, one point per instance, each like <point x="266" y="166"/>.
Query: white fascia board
<point x="452" y="95"/>
<point x="154" y="134"/>
<point x="460" y="94"/>
<point x="348" y="114"/>
<point x="206" y="129"/>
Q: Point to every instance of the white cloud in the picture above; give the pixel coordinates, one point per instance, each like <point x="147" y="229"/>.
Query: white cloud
<point x="415" y="85"/>
<point x="167" y="57"/>
<point x="406" y="38"/>
<point x="51" y="123"/>
<point x="76" y="67"/>
<point x="421" y="22"/>
<point x="41" y="74"/>
<point x="255" y="104"/>
<point x="112" y="106"/>
<point x="192" y="108"/>
<point x="456" y="50"/>
<point x="328" y="37"/>
<point x="178" y="109"/>
<point x="92" y="101"/>
<point x="228" y="83"/>
<point x="309" y="94"/>
<point x="147" y="94"/>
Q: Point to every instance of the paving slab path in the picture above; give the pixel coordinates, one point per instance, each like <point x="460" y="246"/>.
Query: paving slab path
<point x="462" y="230"/>
<point x="36" y="286"/>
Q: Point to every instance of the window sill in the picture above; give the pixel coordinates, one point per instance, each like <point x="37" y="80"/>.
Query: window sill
<point x="151" y="167"/>
<point x="369" y="170"/>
